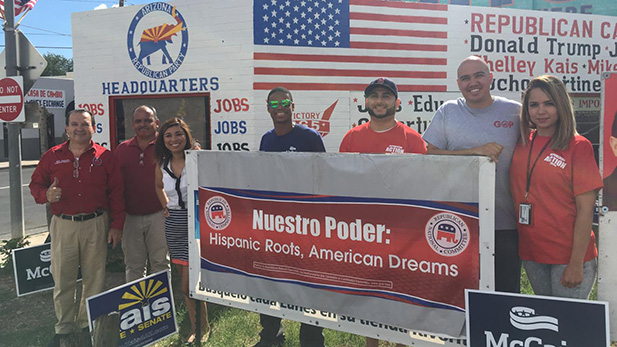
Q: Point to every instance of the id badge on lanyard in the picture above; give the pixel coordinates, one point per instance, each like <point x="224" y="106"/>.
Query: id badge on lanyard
<point x="524" y="213"/>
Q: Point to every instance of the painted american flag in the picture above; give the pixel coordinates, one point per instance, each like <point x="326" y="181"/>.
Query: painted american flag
<point x="344" y="44"/>
<point x="20" y="6"/>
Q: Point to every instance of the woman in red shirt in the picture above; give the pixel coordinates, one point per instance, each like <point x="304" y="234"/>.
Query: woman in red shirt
<point x="554" y="180"/>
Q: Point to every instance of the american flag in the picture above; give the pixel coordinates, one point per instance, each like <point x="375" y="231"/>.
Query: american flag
<point x="344" y="44"/>
<point x="20" y="6"/>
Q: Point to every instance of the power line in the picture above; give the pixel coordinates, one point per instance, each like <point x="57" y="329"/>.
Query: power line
<point x="50" y="47"/>
<point x="46" y="30"/>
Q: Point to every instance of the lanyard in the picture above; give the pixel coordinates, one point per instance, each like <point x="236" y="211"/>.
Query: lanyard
<point x="529" y="173"/>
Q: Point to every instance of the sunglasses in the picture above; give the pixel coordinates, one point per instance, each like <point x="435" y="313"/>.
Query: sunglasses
<point x="275" y="104"/>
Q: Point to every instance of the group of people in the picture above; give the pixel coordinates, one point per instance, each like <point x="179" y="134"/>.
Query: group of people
<point x="545" y="190"/>
<point x="135" y="196"/>
<point x="546" y="183"/>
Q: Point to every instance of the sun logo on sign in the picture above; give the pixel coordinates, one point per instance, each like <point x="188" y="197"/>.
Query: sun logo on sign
<point x="142" y="293"/>
<point x="157" y="46"/>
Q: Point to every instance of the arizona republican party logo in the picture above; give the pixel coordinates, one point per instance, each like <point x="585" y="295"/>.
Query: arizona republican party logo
<point x="157" y="40"/>
<point x="217" y="212"/>
<point x="447" y="234"/>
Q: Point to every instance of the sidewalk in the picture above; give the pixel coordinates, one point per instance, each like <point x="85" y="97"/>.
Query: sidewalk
<point x="24" y="163"/>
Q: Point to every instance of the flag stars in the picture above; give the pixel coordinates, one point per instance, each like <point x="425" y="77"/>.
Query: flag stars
<point x="303" y="15"/>
<point x="281" y="20"/>
<point x="296" y="42"/>
<point x="287" y="3"/>
<point x="273" y="13"/>
<point x="330" y="5"/>
<point x="266" y="18"/>
<point x="281" y="41"/>
<point x="287" y="14"/>
<point x="273" y="2"/>
<point x="337" y="11"/>
<point x="303" y="3"/>
<point x="282" y="7"/>
<point x="295" y="20"/>
<point x="288" y="25"/>
<point x="336" y="43"/>
<point x="323" y="43"/>
<point x="310" y="42"/>
<point x="266" y="40"/>
<point x="330" y="38"/>
<point x="265" y="6"/>
<point x="330" y="16"/>
<point x="337" y="33"/>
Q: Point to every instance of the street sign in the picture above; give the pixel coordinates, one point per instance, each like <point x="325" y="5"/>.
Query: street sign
<point x="12" y="99"/>
<point x="30" y="63"/>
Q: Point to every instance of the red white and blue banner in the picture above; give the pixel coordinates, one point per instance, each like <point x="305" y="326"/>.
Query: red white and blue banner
<point x="379" y="237"/>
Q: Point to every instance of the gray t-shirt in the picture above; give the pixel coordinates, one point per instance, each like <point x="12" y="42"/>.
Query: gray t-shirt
<point x="457" y="126"/>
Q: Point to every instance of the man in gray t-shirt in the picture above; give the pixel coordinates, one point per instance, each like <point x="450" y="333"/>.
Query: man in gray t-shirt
<point x="486" y="125"/>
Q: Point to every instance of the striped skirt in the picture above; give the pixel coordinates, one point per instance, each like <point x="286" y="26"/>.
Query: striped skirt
<point x="177" y="235"/>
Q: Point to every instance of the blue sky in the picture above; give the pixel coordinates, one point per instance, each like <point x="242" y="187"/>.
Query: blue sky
<point x="48" y="25"/>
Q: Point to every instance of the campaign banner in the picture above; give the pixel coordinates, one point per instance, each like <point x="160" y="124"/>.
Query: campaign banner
<point x="146" y="308"/>
<point x="32" y="269"/>
<point x="417" y="252"/>
<point x="384" y="238"/>
<point x="503" y="319"/>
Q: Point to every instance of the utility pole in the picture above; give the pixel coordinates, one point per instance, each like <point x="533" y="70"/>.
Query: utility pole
<point x="17" y="204"/>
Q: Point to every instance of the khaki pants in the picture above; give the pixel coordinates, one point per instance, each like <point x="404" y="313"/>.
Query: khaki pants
<point x="75" y="244"/>
<point x="143" y="239"/>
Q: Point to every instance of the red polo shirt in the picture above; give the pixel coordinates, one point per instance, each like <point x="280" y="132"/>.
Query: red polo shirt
<point x="138" y="173"/>
<point x="97" y="185"/>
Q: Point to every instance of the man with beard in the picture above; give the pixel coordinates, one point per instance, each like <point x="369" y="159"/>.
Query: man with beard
<point x="485" y="125"/>
<point x="383" y="133"/>
<point x="144" y="229"/>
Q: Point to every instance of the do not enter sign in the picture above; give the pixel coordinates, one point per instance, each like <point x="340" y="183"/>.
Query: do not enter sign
<point x="12" y="99"/>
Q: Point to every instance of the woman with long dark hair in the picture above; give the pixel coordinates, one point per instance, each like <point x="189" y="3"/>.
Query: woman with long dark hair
<point x="554" y="180"/>
<point x="171" y="188"/>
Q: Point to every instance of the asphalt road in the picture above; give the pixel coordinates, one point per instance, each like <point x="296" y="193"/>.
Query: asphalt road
<point x="35" y="221"/>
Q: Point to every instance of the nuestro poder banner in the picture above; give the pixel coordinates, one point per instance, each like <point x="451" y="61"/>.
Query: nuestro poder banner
<point x="419" y="252"/>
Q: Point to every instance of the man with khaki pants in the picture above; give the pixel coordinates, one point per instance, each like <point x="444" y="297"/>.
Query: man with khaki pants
<point x="83" y="183"/>
<point x="143" y="238"/>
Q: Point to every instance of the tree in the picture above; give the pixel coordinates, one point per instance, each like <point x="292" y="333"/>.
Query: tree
<point x="57" y="65"/>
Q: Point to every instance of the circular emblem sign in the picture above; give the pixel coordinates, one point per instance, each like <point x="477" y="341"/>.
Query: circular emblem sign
<point x="447" y="234"/>
<point x="157" y="40"/>
<point x="217" y="212"/>
<point x="11" y="99"/>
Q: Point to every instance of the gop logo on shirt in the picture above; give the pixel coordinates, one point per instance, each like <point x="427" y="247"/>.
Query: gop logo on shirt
<point x="217" y="212"/>
<point x="447" y="234"/>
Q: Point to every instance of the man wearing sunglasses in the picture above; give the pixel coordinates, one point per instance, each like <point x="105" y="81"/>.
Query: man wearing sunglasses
<point x="287" y="136"/>
<point x="82" y="182"/>
<point x="144" y="230"/>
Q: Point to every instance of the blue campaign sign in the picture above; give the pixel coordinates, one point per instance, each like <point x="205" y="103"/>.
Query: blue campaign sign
<point x="146" y="308"/>
<point x="504" y="320"/>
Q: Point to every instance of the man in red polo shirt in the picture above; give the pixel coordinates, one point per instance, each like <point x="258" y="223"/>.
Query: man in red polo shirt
<point x="82" y="181"/>
<point x="143" y="239"/>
